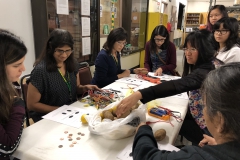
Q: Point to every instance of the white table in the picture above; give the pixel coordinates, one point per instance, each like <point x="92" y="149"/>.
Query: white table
<point x="41" y="140"/>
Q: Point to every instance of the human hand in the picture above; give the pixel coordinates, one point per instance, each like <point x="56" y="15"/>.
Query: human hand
<point x="92" y="87"/>
<point x="141" y="124"/>
<point x="207" y="140"/>
<point x="127" y="103"/>
<point x="140" y="71"/>
<point x="158" y="72"/>
<point x="126" y="73"/>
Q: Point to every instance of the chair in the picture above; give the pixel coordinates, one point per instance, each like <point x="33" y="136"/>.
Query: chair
<point x="24" y="87"/>
<point x="85" y="75"/>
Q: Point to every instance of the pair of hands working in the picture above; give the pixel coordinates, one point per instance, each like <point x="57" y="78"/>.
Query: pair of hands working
<point x="131" y="100"/>
<point x="126" y="73"/>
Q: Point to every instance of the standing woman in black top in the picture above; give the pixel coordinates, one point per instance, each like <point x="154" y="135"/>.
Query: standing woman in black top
<point x="54" y="80"/>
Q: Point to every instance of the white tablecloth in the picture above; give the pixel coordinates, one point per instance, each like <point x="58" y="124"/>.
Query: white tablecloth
<point x="42" y="139"/>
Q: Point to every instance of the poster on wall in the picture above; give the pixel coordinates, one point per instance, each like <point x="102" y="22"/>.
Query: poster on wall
<point x="85" y="26"/>
<point x="62" y="7"/>
<point x="86" y="46"/>
<point x="85" y="7"/>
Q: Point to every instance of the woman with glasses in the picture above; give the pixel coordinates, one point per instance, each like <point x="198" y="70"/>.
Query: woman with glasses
<point x="54" y="81"/>
<point x="226" y="35"/>
<point x="160" y="53"/>
<point x="221" y="98"/>
<point x="216" y="12"/>
<point x="12" y="108"/>
<point x="108" y="64"/>
<point x="199" y="50"/>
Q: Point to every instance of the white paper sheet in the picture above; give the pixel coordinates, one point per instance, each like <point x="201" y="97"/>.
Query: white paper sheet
<point x="62" y="7"/>
<point x="67" y="115"/>
<point x="164" y="76"/>
<point x="85" y="7"/>
<point x="131" y="80"/>
<point x="85" y="26"/>
<point x="86" y="46"/>
<point x="125" y="154"/>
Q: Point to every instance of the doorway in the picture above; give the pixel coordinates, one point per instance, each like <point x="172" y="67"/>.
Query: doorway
<point x="181" y="16"/>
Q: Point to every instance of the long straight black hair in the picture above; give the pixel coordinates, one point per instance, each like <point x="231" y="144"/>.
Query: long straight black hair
<point x="117" y="34"/>
<point x="12" y="49"/>
<point x="223" y="11"/>
<point x="203" y="41"/>
<point x="57" y="38"/>
<point x="230" y="24"/>
<point x="160" y="30"/>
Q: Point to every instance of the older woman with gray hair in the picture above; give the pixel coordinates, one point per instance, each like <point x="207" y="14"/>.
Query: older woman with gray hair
<point x="221" y="97"/>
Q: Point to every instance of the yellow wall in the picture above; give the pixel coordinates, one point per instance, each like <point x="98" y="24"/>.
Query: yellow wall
<point x="142" y="56"/>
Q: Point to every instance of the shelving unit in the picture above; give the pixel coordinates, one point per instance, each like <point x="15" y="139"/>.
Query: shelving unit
<point x="234" y="12"/>
<point x="193" y="19"/>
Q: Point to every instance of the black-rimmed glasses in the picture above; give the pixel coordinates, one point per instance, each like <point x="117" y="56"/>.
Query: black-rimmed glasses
<point x="221" y="32"/>
<point x="69" y="51"/>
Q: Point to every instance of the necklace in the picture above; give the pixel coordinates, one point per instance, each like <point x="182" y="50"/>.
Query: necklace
<point x="68" y="83"/>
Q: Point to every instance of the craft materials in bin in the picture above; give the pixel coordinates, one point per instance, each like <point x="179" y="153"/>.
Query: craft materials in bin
<point x="100" y="99"/>
<point x="164" y="114"/>
<point x="151" y="79"/>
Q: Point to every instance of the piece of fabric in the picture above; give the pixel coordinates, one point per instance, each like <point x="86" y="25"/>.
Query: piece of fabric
<point x="106" y="69"/>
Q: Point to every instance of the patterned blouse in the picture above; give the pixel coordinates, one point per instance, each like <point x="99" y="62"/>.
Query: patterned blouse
<point x="196" y="107"/>
<point x="52" y="87"/>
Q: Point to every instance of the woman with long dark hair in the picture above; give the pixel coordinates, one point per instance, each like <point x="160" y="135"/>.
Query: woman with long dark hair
<point x="160" y="53"/>
<point x="108" y="63"/>
<point x="199" y="50"/>
<point x="54" y="80"/>
<point x="216" y="12"/>
<point x="12" y="109"/>
<point x="226" y="35"/>
<point x="221" y="98"/>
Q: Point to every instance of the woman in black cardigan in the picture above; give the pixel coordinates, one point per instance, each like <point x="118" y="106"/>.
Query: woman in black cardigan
<point x="221" y="96"/>
<point x="199" y="54"/>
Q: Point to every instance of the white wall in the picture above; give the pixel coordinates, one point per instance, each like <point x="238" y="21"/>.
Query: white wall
<point x="203" y="5"/>
<point x="16" y="16"/>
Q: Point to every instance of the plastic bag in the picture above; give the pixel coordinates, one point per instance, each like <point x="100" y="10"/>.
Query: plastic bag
<point x="119" y="128"/>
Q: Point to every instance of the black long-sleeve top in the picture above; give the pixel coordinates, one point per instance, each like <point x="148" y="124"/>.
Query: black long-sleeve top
<point x="145" y="148"/>
<point x="190" y="82"/>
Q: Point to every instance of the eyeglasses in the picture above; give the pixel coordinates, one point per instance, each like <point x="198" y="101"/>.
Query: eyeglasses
<point x="62" y="51"/>
<point x="191" y="50"/>
<point x="159" y="40"/>
<point x="221" y="32"/>
<point x="121" y="43"/>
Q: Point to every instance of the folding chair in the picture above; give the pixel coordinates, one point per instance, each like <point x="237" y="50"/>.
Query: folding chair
<point x="85" y="75"/>
<point x="24" y="87"/>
